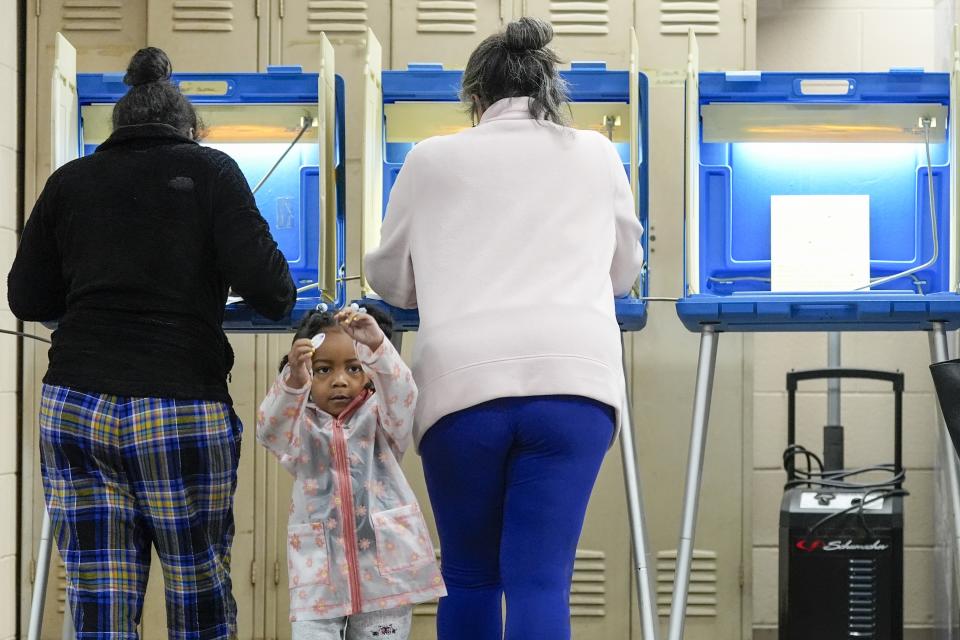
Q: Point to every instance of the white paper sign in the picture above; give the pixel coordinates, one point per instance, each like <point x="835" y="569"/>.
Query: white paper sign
<point x="819" y="243"/>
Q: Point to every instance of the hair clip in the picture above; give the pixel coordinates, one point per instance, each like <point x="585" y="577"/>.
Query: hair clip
<point x="317" y="340"/>
<point x="322" y="307"/>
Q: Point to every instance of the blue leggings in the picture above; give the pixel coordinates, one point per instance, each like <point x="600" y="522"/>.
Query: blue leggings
<point x="509" y="482"/>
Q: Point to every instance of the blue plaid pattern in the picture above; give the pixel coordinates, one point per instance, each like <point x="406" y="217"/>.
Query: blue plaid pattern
<point x="122" y="474"/>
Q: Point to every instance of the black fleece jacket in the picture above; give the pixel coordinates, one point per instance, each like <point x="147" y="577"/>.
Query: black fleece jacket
<point x="132" y="250"/>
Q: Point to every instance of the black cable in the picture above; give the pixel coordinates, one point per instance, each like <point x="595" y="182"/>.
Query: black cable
<point x="880" y="495"/>
<point x="25" y="335"/>
<point x="872" y="491"/>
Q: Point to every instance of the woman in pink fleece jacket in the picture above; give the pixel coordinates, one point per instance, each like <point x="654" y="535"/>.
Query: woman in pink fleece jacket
<point x="339" y="418"/>
<point x="512" y="239"/>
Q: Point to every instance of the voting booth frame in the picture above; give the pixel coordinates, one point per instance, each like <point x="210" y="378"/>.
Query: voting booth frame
<point x="935" y="310"/>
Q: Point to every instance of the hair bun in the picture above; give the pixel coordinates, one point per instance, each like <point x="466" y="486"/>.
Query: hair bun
<point x="148" y="65"/>
<point x="528" y="34"/>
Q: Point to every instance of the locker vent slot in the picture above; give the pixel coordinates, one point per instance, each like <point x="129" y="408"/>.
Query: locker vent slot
<point x="203" y="15"/>
<point x="92" y="15"/>
<point x="678" y="16"/>
<point x="702" y="599"/>
<point x="447" y="16"/>
<point x="337" y="16"/>
<point x="588" y="593"/>
<point x="61" y="582"/>
<point x="580" y="17"/>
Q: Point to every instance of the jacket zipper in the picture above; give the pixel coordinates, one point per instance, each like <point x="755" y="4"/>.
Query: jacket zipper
<point x="346" y="502"/>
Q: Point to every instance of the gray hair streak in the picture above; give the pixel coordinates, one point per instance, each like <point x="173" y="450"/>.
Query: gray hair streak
<point x="516" y="63"/>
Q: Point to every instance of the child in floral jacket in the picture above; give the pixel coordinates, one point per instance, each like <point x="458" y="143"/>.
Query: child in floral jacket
<point x="339" y="418"/>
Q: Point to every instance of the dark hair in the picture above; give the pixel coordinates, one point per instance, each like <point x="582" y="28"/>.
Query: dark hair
<point x="152" y="98"/>
<point x="517" y="63"/>
<point x="316" y="321"/>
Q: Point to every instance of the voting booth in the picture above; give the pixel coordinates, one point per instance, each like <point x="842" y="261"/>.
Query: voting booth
<point x="813" y="202"/>
<point x="285" y="129"/>
<point x="404" y="107"/>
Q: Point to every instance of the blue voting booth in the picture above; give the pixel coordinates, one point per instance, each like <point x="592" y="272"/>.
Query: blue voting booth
<point x="405" y="107"/>
<point x="752" y="138"/>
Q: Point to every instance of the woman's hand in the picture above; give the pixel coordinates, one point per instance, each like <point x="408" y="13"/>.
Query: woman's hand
<point x="300" y="360"/>
<point x="361" y="327"/>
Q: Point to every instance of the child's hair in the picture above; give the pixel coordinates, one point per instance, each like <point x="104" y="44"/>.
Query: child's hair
<point x="316" y="321"/>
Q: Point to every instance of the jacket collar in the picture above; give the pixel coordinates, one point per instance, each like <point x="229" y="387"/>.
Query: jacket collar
<point x="348" y="411"/>
<point x="150" y="131"/>
<point x="507" y="109"/>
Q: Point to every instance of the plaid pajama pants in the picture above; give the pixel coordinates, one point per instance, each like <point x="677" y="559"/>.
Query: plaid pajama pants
<point x="122" y="474"/>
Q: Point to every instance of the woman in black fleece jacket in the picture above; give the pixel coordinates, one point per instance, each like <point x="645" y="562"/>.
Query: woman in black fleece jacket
<point x="132" y="251"/>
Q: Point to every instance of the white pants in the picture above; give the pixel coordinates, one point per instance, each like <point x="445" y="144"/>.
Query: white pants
<point x="388" y="624"/>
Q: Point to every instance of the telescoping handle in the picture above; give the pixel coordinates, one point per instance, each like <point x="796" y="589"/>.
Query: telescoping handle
<point x="895" y="378"/>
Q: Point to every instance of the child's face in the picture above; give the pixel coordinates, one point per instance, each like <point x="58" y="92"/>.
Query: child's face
<point x="338" y="377"/>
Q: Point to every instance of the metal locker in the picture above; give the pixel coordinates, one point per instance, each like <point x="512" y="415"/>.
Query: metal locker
<point x="443" y="31"/>
<point x="295" y="39"/>
<point x="105" y="34"/>
<point x="246" y="398"/>
<point x="210" y="35"/>
<point x="662" y="389"/>
<point x="725" y="30"/>
<point x="50" y="140"/>
<point x="586" y="29"/>
<point x="109" y="32"/>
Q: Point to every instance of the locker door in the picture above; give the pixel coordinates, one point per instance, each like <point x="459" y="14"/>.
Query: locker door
<point x="345" y="22"/>
<point x="246" y="397"/>
<point x="724" y="28"/>
<point x="105" y="33"/>
<point x="296" y="30"/>
<point x="443" y="31"/>
<point x="279" y="483"/>
<point x="662" y="390"/>
<point x="586" y="29"/>
<point x="62" y="138"/>
<point x="209" y="35"/>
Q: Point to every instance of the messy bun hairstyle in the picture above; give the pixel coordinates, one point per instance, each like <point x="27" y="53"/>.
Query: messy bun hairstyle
<point x="152" y="98"/>
<point x="516" y="63"/>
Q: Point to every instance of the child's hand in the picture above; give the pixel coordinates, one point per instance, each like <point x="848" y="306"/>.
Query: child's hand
<point x="361" y="327"/>
<point x="300" y="360"/>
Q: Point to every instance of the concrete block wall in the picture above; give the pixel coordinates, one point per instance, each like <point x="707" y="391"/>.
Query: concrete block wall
<point x="9" y="369"/>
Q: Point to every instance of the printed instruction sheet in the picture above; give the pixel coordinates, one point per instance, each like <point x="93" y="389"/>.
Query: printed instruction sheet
<point x="819" y="243"/>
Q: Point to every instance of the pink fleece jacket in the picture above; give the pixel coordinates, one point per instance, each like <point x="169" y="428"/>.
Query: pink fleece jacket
<point x="512" y="238"/>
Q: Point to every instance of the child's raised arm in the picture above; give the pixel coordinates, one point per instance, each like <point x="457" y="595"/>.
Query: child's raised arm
<point x="396" y="394"/>
<point x="279" y="421"/>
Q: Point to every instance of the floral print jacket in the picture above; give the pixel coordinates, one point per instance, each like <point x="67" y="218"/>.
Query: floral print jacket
<point x="356" y="540"/>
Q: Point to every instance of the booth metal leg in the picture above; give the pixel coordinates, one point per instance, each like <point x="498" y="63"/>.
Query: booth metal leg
<point x="44" y="553"/>
<point x="40" y="578"/>
<point x="698" y="440"/>
<point x="948" y="481"/>
<point x="646" y="595"/>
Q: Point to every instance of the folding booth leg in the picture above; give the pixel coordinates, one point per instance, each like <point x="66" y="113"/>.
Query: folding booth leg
<point x="949" y="480"/>
<point x="698" y="440"/>
<point x="646" y="596"/>
<point x="40" y="578"/>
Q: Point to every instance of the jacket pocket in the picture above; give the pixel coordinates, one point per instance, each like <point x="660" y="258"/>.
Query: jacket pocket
<point x="307" y="560"/>
<point x="403" y="542"/>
